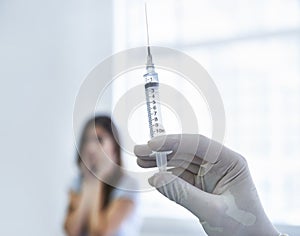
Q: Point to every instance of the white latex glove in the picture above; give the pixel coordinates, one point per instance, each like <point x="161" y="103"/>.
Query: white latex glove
<point x="214" y="183"/>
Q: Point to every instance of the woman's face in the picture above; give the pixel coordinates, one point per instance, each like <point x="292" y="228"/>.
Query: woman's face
<point x="98" y="149"/>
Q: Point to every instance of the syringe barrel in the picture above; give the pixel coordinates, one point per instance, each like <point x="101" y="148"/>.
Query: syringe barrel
<point x="153" y="103"/>
<point x="154" y="113"/>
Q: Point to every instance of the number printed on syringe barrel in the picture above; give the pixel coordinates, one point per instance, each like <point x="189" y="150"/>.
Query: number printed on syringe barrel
<point x="153" y="103"/>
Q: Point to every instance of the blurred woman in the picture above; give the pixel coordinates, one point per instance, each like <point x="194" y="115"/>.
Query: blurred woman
<point x="95" y="207"/>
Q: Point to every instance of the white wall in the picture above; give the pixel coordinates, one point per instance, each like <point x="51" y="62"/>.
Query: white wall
<point x="46" y="50"/>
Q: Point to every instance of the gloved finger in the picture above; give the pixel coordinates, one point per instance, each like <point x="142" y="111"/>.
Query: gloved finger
<point x="165" y="142"/>
<point x="203" y="205"/>
<point x="159" y="143"/>
<point x="184" y="165"/>
<point x="193" y="168"/>
<point x="146" y="163"/>
<point x="194" y="144"/>
<point x="143" y="152"/>
<point x="185" y="174"/>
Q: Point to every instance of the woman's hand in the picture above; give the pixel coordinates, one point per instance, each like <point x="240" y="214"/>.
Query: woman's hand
<point x="98" y="170"/>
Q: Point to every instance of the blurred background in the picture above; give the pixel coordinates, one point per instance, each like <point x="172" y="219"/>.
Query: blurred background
<point x="251" y="49"/>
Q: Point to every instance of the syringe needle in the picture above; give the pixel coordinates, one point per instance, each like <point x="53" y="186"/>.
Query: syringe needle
<point x="148" y="43"/>
<point x="149" y="56"/>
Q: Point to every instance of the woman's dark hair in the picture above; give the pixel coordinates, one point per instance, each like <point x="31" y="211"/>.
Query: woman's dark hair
<point x="106" y="123"/>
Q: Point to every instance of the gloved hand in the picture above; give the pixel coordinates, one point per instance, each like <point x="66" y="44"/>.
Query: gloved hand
<point x="211" y="181"/>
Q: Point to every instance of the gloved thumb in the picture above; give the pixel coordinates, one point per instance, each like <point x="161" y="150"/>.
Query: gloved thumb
<point x="170" y="186"/>
<point x="183" y="193"/>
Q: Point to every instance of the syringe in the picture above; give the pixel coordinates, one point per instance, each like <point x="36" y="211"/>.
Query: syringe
<point x="153" y="104"/>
